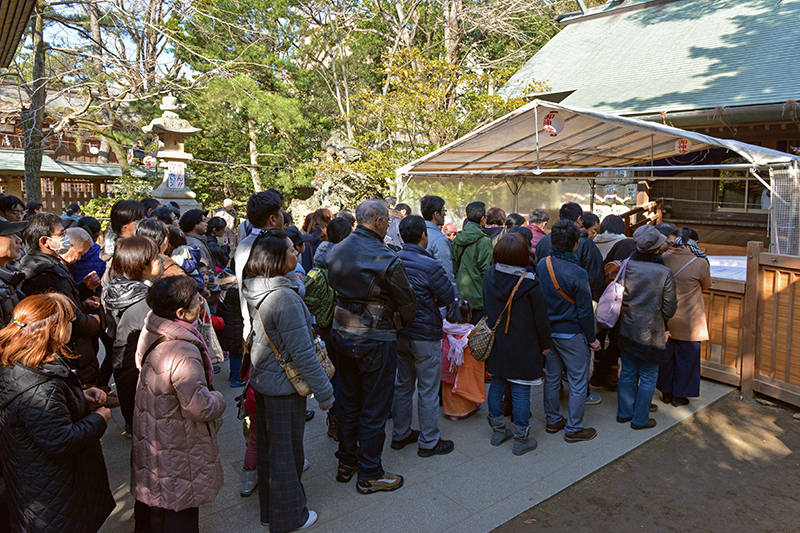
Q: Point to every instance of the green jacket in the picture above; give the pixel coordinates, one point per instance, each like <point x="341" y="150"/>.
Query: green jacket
<point x="472" y="256"/>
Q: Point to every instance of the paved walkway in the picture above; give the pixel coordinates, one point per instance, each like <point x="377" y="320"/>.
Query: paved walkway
<point x="474" y="489"/>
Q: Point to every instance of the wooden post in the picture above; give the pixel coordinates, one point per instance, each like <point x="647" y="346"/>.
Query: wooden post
<point x="753" y="295"/>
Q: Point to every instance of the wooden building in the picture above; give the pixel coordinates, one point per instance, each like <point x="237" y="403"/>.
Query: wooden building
<point x="70" y="170"/>
<point x="728" y="69"/>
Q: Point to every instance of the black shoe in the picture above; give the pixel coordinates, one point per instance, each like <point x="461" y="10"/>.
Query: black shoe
<point x="443" y="447"/>
<point x="677" y="401"/>
<point x="606" y="384"/>
<point x="666" y="397"/>
<point x="624" y="420"/>
<point x="653" y="408"/>
<point x="309" y="415"/>
<point x="345" y="472"/>
<point x="650" y="424"/>
<point x="410" y="439"/>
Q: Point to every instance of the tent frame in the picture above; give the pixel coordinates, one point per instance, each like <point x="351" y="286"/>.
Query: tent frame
<point x="758" y="158"/>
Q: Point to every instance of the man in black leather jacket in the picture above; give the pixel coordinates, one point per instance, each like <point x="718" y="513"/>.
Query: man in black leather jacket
<point x="374" y="299"/>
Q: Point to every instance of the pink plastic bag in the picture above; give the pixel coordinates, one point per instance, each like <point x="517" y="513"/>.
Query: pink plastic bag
<point x="610" y="304"/>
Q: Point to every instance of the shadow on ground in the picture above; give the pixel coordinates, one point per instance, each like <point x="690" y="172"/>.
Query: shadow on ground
<point x="733" y="467"/>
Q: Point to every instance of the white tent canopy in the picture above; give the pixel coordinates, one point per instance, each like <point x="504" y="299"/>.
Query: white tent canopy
<point x="516" y="147"/>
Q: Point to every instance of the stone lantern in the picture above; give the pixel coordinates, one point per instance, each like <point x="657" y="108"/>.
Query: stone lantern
<point x="171" y="129"/>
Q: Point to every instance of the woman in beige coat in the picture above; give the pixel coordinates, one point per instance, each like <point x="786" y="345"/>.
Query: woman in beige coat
<point x="176" y="465"/>
<point x="679" y="377"/>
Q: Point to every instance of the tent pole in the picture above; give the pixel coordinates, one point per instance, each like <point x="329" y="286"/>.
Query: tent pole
<point x="536" y="118"/>
<point x="398" y="184"/>
<point x="592" y="188"/>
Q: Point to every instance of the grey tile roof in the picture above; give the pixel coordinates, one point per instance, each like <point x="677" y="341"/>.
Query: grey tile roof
<point x="673" y="56"/>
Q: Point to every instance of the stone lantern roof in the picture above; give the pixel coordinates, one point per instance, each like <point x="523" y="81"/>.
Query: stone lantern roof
<point x="169" y="121"/>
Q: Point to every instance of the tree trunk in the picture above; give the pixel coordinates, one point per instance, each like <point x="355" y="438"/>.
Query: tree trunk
<point x="102" y="89"/>
<point x="252" y="134"/>
<point x="33" y="115"/>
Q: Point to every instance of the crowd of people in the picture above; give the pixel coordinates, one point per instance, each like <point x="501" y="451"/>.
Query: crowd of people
<point x="390" y="298"/>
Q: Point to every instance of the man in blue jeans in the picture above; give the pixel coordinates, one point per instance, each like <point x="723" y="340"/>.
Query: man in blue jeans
<point x="569" y="306"/>
<point x="373" y="301"/>
<point x="420" y="346"/>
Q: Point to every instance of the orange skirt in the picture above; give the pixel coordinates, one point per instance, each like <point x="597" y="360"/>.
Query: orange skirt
<point x="470" y="389"/>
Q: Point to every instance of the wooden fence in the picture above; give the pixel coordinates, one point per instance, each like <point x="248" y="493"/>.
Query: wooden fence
<point x="753" y="327"/>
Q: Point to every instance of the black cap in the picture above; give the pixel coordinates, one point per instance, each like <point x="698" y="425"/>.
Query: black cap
<point x="10" y="228"/>
<point x="296" y="236"/>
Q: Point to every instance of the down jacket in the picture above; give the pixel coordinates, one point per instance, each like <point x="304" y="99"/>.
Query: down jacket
<point x="288" y="324"/>
<point x="176" y="462"/>
<point x="44" y="273"/>
<point x="433" y="289"/>
<point x="126" y="306"/>
<point x="648" y="302"/>
<point x="50" y="447"/>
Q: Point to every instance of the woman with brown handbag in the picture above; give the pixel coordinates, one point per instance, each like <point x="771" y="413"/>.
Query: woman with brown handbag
<point x="514" y="302"/>
<point x="282" y="334"/>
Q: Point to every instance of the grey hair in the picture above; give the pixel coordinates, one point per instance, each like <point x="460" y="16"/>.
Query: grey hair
<point x="369" y="211"/>
<point x="79" y="236"/>
<point x="537" y="216"/>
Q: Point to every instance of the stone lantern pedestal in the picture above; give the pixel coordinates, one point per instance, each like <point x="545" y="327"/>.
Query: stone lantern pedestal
<point x="171" y="129"/>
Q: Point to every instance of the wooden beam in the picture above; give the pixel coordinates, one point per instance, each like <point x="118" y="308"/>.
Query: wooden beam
<point x="750" y="317"/>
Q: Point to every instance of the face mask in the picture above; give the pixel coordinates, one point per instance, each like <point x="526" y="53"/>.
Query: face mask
<point x="64" y="243"/>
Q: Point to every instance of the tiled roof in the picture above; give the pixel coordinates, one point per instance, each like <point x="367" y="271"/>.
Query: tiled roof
<point x="640" y="57"/>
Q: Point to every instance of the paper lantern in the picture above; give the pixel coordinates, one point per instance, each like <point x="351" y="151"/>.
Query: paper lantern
<point x="683" y="146"/>
<point x="149" y="161"/>
<point x="553" y="123"/>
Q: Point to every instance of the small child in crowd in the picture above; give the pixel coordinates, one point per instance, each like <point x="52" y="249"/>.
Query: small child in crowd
<point x="463" y="389"/>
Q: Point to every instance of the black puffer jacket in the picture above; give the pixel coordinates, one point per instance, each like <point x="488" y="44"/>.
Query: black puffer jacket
<point x="125" y="302"/>
<point x="50" y="448"/>
<point x="44" y="273"/>
<point x="649" y="301"/>
<point x="516" y="354"/>
<point x="433" y="290"/>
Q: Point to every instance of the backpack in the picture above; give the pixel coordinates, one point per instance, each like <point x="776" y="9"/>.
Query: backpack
<point x="320" y="297"/>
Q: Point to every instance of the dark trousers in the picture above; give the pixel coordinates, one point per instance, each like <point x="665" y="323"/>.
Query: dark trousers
<point x="366" y="374"/>
<point x="127" y="379"/>
<point x="607" y="357"/>
<point x="280" y="423"/>
<point x="166" y="521"/>
<point x="680" y="375"/>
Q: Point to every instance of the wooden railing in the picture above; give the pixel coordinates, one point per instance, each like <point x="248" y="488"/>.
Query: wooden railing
<point x="649" y="213"/>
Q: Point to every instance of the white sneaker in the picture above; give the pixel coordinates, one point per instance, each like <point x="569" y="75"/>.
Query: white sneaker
<point x="306" y="466"/>
<point x="312" y="519"/>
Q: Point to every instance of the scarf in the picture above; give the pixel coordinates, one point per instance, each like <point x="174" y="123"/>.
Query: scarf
<point x="691" y="245"/>
<point x="457" y="338"/>
<point x="566" y="256"/>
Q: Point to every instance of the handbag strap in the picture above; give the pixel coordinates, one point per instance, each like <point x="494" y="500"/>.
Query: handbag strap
<point x="563" y="294"/>
<point x="508" y="304"/>
<point x="684" y="266"/>
<point x="623" y="267"/>
<point x="274" y="349"/>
